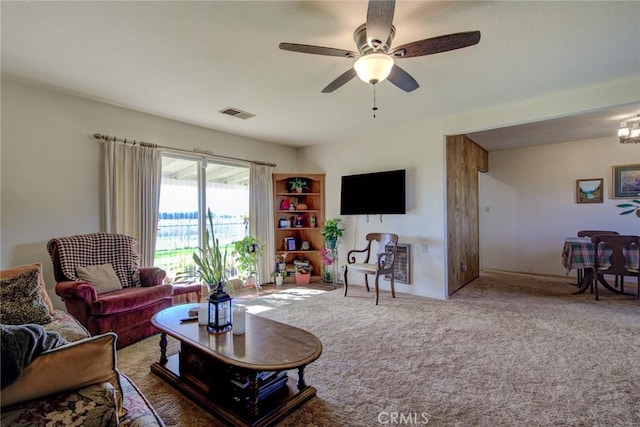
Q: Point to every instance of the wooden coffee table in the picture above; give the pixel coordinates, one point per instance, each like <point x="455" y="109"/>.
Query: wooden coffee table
<point x="241" y="379"/>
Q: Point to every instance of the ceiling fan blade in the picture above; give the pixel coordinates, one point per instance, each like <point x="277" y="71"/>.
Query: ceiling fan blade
<point x="318" y="50"/>
<point x="379" y="22"/>
<point x="437" y="44"/>
<point x="402" y="79"/>
<point x="340" y="81"/>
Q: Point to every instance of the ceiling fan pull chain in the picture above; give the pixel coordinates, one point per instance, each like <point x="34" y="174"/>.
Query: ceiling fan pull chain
<point x="374" y="101"/>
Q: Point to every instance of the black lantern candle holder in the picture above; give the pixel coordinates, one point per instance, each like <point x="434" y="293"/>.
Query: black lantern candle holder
<point x="220" y="314"/>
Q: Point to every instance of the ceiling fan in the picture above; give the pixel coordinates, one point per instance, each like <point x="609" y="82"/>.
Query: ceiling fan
<point x="376" y="59"/>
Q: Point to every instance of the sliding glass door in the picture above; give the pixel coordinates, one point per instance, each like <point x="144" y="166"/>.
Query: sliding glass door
<point x="191" y="186"/>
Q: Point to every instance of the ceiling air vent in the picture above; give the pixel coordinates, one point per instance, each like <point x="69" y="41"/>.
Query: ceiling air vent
<point x="230" y="111"/>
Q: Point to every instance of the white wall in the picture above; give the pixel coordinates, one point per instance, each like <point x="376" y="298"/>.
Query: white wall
<point x="528" y="202"/>
<point x="417" y="149"/>
<point x="50" y="164"/>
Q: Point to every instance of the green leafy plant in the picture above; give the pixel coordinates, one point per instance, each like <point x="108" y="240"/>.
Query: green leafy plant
<point x="300" y="270"/>
<point x="209" y="259"/>
<point x="279" y="273"/>
<point x="331" y="230"/>
<point x="298" y="183"/>
<point x="281" y="265"/>
<point x="245" y="253"/>
<point x="634" y="205"/>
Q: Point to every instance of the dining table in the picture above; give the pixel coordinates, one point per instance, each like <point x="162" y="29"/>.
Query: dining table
<point x="580" y="253"/>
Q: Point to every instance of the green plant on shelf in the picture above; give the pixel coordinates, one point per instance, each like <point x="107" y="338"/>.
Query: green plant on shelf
<point x="301" y="270"/>
<point x="281" y="273"/>
<point x="298" y="184"/>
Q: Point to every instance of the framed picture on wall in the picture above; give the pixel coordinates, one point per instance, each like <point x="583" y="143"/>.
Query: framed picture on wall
<point x="626" y="181"/>
<point x="589" y="190"/>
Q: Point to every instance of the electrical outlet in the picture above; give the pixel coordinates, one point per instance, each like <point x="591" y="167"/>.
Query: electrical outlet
<point x="423" y="248"/>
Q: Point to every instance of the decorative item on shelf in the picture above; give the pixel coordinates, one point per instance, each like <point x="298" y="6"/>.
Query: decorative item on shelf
<point x="285" y="204"/>
<point x="301" y="207"/>
<point x="298" y="221"/>
<point x="301" y="263"/>
<point x="284" y="223"/>
<point x="303" y="276"/>
<point x="292" y="207"/>
<point x="312" y="221"/>
<point x="219" y="311"/>
<point x="305" y="246"/>
<point x="298" y="184"/>
<point x="281" y="268"/>
<point x="279" y="276"/>
<point x="331" y="232"/>
<point x="281" y="261"/>
<point x="290" y="243"/>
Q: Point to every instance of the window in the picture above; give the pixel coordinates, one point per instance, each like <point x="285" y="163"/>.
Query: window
<point x="189" y="187"/>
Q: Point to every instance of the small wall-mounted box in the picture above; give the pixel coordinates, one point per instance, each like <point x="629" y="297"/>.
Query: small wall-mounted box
<point x="402" y="270"/>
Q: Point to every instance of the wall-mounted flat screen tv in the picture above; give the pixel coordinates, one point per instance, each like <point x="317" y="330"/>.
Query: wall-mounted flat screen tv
<point x="373" y="193"/>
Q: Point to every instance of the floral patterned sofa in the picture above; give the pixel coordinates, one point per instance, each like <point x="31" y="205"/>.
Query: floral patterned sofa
<point x="71" y="378"/>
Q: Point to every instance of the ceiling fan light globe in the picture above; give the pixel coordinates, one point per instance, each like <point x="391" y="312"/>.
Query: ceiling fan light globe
<point x="374" y="67"/>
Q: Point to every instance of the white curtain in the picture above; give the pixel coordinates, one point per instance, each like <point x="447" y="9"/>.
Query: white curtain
<point x="261" y="216"/>
<point x="132" y="175"/>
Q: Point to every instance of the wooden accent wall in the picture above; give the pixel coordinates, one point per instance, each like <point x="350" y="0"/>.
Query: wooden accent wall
<point x="464" y="160"/>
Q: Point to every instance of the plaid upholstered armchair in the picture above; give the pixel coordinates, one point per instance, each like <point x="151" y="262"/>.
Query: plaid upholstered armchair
<point x="102" y="286"/>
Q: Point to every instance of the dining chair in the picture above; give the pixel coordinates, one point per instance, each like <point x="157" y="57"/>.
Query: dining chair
<point x="591" y="233"/>
<point x="384" y="260"/>
<point x="618" y="255"/>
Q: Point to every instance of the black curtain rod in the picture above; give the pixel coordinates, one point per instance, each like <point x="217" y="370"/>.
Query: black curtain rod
<point x="102" y="137"/>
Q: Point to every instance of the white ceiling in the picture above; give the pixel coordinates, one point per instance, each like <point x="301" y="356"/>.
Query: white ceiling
<point x="595" y="124"/>
<point x="188" y="60"/>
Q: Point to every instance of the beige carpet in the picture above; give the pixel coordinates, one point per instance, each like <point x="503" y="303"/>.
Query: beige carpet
<point x="507" y="350"/>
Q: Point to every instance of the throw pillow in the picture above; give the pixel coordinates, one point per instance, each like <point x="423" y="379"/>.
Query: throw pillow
<point x="103" y="277"/>
<point x="8" y="273"/>
<point x="20" y="344"/>
<point x="69" y="367"/>
<point x="22" y="301"/>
